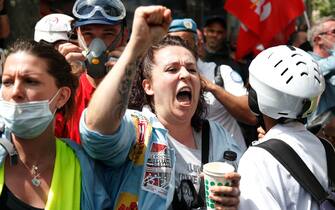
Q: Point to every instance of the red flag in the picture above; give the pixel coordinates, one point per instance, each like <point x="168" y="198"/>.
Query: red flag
<point x="264" y="19"/>
<point x="245" y="11"/>
<point x="246" y="41"/>
<point x="278" y="39"/>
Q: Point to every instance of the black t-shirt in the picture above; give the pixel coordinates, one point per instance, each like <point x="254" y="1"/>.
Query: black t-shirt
<point x="8" y="201"/>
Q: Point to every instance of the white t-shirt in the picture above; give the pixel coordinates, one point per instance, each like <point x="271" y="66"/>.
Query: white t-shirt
<point x="188" y="166"/>
<point x="266" y="184"/>
<point x="233" y="83"/>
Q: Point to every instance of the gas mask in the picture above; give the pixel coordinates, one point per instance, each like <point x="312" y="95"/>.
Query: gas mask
<point x="96" y="59"/>
<point x="97" y="55"/>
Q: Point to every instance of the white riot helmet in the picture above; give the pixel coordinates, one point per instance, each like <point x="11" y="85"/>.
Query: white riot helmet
<point x="285" y="83"/>
<point x="53" y="27"/>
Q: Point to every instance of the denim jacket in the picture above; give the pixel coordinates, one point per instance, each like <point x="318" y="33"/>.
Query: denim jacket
<point x="141" y="161"/>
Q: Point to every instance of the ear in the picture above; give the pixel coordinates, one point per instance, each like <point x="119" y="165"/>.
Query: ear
<point x="63" y="96"/>
<point x="147" y="86"/>
<point x="317" y="40"/>
<point x="205" y="31"/>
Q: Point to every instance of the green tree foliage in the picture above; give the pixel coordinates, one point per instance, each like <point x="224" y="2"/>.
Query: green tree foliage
<point x="323" y="7"/>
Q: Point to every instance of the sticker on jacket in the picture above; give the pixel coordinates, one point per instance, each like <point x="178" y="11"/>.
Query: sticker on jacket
<point x="157" y="173"/>
<point x="143" y="132"/>
<point x="127" y="201"/>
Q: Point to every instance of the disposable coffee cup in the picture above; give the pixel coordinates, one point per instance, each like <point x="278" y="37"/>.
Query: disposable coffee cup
<point x="214" y="176"/>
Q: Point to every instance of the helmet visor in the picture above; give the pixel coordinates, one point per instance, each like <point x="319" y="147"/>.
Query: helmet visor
<point x="113" y="10"/>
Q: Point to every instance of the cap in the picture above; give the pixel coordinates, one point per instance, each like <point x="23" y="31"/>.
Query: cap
<point x="102" y="21"/>
<point x="53" y="27"/>
<point x="186" y="24"/>
<point x="215" y="19"/>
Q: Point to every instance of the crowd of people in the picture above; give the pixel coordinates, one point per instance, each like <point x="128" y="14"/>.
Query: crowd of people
<point x="96" y="117"/>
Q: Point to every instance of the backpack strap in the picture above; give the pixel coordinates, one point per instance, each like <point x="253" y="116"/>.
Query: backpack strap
<point x="330" y="153"/>
<point x="205" y="142"/>
<point x="217" y="76"/>
<point x="291" y="161"/>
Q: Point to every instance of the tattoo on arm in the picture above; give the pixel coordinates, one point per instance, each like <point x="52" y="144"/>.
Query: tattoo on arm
<point x="124" y="89"/>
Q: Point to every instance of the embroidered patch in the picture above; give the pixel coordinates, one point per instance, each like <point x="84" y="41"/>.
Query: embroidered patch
<point x="143" y="132"/>
<point x="236" y="77"/>
<point x="157" y="173"/>
<point x="188" y="24"/>
<point x="127" y="201"/>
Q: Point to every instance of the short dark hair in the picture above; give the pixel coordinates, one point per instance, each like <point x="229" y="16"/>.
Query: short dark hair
<point x="216" y="19"/>
<point x="57" y="67"/>
<point x="138" y="96"/>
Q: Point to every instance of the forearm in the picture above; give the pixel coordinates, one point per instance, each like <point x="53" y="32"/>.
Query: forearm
<point x="237" y="106"/>
<point x="110" y="99"/>
<point x="112" y="150"/>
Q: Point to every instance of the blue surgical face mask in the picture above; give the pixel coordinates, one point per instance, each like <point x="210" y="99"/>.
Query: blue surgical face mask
<point x="27" y="120"/>
<point x="331" y="50"/>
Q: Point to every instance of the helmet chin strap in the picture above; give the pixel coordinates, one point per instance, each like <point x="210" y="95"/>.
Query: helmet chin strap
<point x="82" y="42"/>
<point x="117" y="39"/>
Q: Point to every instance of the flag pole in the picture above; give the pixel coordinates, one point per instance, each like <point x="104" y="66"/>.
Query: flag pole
<point x="307" y="20"/>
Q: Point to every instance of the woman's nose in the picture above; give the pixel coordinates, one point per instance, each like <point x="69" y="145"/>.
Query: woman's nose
<point x="17" y="92"/>
<point x="183" y="73"/>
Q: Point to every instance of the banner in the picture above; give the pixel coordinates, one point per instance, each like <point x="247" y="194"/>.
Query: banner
<point x="263" y="22"/>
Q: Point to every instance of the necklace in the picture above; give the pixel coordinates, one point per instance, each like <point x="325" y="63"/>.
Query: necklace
<point x="34" y="172"/>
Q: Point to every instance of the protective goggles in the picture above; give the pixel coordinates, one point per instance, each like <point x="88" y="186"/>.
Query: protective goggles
<point x="113" y="10"/>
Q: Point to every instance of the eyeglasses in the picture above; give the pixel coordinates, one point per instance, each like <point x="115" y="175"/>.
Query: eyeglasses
<point x="332" y="32"/>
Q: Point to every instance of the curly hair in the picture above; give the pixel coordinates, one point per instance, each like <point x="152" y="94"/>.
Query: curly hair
<point x="139" y="98"/>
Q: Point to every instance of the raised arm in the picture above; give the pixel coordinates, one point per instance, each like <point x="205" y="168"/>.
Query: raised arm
<point x="110" y="100"/>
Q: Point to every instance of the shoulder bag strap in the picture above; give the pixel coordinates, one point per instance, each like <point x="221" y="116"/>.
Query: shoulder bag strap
<point x="205" y="142"/>
<point x="204" y="159"/>
<point x="330" y="153"/>
<point x="291" y="161"/>
<point x="218" y="77"/>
